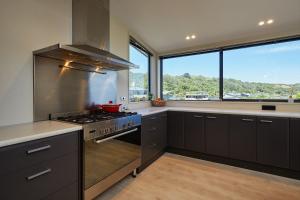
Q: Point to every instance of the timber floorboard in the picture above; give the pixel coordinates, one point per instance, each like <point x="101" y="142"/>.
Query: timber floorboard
<point x="175" y="177"/>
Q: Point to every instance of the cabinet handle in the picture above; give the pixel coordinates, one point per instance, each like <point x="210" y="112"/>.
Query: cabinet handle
<point x="248" y="120"/>
<point x="29" y="178"/>
<point x="154" y="145"/>
<point x="266" y="121"/>
<point x="153" y="118"/>
<point x="211" y="117"/>
<point x="198" y="116"/>
<point x="31" y="151"/>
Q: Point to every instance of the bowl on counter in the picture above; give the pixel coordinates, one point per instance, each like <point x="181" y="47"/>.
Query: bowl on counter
<point x="158" y="103"/>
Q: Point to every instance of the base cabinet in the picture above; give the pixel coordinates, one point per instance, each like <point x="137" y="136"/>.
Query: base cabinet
<point x="264" y="143"/>
<point x="217" y="134"/>
<point x="176" y="129"/>
<point x="194" y="139"/>
<point x="273" y="141"/>
<point x="295" y="144"/>
<point x="47" y="170"/>
<point x="154" y="137"/>
<point x="242" y="138"/>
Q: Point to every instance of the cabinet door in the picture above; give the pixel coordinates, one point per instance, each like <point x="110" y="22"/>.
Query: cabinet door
<point x="295" y="144"/>
<point x="162" y="131"/>
<point x="194" y="132"/>
<point x="175" y="129"/>
<point x="242" y="138"/>
<point x="273" y="141"/>
<point x="216" y="134"/>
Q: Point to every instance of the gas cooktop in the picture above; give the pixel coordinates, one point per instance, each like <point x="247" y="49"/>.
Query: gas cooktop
<point x="94" y="117"/>
<point x="101" y="124"/>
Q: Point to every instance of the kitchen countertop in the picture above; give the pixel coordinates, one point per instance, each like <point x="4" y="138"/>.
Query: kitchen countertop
<point x="154" y="110"/>
<point x="15" y="134"/>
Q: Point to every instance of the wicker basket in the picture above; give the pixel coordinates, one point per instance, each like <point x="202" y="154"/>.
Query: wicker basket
<point x="157" y="103"/>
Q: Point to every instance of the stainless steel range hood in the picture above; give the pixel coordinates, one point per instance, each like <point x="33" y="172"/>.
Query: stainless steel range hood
<point x="90" y="35"/>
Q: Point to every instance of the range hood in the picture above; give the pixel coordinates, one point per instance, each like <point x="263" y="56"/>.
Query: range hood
<point x="90" y="38"/>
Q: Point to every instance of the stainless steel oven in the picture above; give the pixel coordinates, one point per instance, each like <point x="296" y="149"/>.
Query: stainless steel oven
<point x="108" y="160"/>
<point x="111" y="147"/>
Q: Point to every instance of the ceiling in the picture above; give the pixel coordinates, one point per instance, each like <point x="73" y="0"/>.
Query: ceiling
<point x="164" y="24"/>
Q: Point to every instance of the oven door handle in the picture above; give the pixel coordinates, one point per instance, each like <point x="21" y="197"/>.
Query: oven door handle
<point x="115" y="136"/>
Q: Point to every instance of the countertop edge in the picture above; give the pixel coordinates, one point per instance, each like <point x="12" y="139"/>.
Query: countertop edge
<point x="28" y="138"/>
<point x="147" y="112"/>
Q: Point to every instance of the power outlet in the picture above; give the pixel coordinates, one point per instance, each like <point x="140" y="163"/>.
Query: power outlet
<point x="123" y="98"/>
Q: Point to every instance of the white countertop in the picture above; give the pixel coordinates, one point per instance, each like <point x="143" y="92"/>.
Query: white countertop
<point x="154" y="110"/>
<point x="15" y="134"/>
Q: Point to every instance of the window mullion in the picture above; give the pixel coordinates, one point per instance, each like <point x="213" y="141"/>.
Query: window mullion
<point x="221" y="80"/>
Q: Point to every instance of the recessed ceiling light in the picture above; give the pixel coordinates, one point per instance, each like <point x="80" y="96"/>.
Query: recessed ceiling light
<point x="270" y="21"/>
<point x="261" y="23"/>
<point x="193" y="36"/>
<point x="187" y="38"/>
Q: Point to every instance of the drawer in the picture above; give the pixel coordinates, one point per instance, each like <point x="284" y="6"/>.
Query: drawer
<point x="67" y="193"/>
<point x="151" y="118"/>
<point x="149" y="152"/>
<point x="150" y="135"/>
<point x="41" y="180"/>
<point x="23" y="155"/>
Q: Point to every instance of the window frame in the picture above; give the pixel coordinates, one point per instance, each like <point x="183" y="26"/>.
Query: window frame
<point x="183" y="55"/>
<point x="133" y="42"/>
<point x="221" y="66"/>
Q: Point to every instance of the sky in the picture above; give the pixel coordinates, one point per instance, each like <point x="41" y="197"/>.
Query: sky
<point x="276" y="63"/>
<point x="136" y="57"/>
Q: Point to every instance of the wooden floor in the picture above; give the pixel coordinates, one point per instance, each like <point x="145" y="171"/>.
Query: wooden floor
<point x="174" y="177"/>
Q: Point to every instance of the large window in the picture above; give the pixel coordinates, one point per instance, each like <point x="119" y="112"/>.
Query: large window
<point x="139" y="78"/>
<point x="267" y="71"/>
<point x="193" y="77"/>
<point x="262" y="72"/>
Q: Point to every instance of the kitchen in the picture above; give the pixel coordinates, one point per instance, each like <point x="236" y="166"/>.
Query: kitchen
<point x="196" y="122"/>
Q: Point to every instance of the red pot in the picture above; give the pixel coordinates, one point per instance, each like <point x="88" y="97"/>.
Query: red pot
<point x="110" y="107"/>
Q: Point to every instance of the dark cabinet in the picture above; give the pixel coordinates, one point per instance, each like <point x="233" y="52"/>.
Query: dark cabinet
<point x="40" y="168"/>
<point x="242" y="138"/>
<point x="216" y="134"/>
<point x="154" y="137"/>
<point x="295" y="144"/>
<point x="163" y="131"/>
<point x="176" y="129"/>
<point x="273" y="141"/>
<point x="194" y="139"/>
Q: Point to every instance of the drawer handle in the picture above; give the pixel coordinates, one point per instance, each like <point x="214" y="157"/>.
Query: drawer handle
<point x="248" y="120"/>
<point x="266" y="121"/>
<point x="211" y="117"/>
<point x="29" y="178"/>
<point x="198" y="116"/>
<point x="154" y="145"/>
<point x="31" y="151"/>
<point x="153" y="118"/>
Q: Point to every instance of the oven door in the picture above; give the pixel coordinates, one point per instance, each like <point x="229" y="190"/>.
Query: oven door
<point x="105" y="157"/>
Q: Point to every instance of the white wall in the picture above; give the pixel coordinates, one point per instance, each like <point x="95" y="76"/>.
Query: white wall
<point x="27" y="26"/>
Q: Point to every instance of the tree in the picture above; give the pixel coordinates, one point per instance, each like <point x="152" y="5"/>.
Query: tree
<point x="186" y="75"/>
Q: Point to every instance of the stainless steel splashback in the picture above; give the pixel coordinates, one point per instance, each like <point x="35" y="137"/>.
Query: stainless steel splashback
<point x="60" y="90"/>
